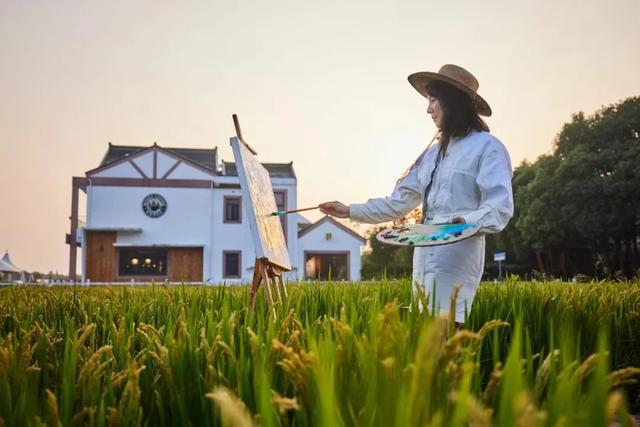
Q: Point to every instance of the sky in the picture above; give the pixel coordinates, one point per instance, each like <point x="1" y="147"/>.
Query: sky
<point x="322" y="84"/>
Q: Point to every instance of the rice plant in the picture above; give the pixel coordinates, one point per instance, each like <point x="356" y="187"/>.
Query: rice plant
<point x="531" y="354"/>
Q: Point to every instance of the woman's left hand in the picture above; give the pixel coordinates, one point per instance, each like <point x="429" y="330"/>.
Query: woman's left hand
<point x="458" y="220"/>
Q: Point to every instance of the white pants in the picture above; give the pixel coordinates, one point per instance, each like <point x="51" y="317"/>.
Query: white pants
<point x="437" y="269"/>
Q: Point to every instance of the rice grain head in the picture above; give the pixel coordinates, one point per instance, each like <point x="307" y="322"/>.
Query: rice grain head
<point x="491" y="390"/>
<point x="52" y="406"/>
<point x="527" y="414"/>
<point x="233" y="411"/>
<point x="542" y="376"/>
<point x="479" y="416"/>
<point x="79" y="418"/>
<point x="587" y="367"/>
<point x="93" y="368"/>
<point x="623" y="377"/>
<point x="492" y="325"/>
<point x="86" y="332"/>
<point x="285" y="404"/>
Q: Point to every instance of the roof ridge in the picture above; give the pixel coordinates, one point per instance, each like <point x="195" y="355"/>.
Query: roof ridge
<point x="127" y="146"/>
<point x="189" y="148"/>
<point x="157" y="145"/>
<point x="265" y="163"/>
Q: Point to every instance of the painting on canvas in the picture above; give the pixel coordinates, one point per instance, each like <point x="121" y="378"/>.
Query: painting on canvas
<point x="259" y="203"/>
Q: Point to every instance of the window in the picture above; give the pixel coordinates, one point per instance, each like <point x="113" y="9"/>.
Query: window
<point x="231" y="264"/>
<point x="281" y="204"/>
<point x="232" y="209"/>
<point x="143" y="262"/>
<point x="326" y="266"/>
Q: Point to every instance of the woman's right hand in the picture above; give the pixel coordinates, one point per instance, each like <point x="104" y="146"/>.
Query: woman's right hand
<point x="336" y="209"/>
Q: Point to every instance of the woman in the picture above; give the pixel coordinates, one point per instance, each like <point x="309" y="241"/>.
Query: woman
<point x="464" y="178"/>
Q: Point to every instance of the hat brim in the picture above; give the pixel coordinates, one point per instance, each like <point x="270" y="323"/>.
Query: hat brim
<point x="420" y="81"/>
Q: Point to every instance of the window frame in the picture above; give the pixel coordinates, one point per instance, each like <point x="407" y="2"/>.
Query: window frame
<point x="224" y="210"/>
<point x="314" y="252"/>
<point x="285" y="222"/>
<point x="224" y="265"/>
<point x="120" y="251"/>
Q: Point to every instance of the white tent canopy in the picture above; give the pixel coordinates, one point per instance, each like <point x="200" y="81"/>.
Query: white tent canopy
<point x="6" y="266"/>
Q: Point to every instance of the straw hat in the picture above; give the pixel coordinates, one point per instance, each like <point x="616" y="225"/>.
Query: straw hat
<point x="455" y="76"/>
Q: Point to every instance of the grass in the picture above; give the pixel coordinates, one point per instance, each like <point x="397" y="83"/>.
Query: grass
<point x="357" y="354"/>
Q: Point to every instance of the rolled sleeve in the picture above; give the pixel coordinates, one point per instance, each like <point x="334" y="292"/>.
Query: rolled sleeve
<point x="406" y="196"/>
<point x="494" y="182"/>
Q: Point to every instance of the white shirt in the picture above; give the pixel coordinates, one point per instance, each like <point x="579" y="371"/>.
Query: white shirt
<point x="472" y="181"/>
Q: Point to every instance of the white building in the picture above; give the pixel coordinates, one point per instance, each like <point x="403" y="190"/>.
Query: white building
<point x="176" y="214"/>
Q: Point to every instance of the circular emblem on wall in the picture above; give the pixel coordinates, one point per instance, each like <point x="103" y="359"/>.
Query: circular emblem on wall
<point x="154" y="205"/>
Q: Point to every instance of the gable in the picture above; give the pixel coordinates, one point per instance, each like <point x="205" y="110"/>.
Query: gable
<point x="326" y="225"/>
<point x="204" y="157"/>
<point x="144" y="163"/>
<point x="156" y="163"/>
<point x="186" y="171"/>
<point x="165" y="164"/>
<point x="121" y="170"/>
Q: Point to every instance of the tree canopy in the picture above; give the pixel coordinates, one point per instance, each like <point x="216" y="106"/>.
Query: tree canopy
<point x="587" y="192"/>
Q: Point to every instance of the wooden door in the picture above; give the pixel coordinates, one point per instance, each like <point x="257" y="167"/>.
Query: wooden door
<point x="185" y="264"/>
<point x="102" y="258"/>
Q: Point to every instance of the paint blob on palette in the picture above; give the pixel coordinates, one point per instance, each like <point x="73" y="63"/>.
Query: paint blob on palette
<point x="426" y="234"/>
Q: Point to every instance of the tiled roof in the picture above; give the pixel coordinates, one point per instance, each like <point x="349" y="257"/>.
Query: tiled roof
<point x="204" y="157"/>
<point x="302" y="227"/>
<point x="276" y="170"/>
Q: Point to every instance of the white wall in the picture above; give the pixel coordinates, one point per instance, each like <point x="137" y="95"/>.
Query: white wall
<point x="165" y="162"/>
<point x="230" y="237"/>
<point x="145" y="163"/>
<point x="238" y="236"/>
<point x="187" y="221"/>
<point x="194" y="217"/>
<point x="290" y="187"/>
<point x="315" y="240"/>
<point x="122" y="170"/>
<point x="186" y="171"/>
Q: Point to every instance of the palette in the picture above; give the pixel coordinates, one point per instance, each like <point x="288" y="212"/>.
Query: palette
<point x="426" y="234"/>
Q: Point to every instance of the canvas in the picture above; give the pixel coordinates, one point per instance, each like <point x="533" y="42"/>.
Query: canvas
<point x="259" y="203"/>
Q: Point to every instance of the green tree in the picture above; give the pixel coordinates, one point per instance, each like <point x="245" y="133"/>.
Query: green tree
<point x="587" y="192"/>
<point x="392" y="261"/>
<point x="520" y="255"/>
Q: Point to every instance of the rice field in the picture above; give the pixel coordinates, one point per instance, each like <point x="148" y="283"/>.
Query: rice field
<point x="531" y="354"/>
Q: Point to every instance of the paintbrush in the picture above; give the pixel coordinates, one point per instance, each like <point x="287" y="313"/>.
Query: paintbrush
<point x="281" y="213"/>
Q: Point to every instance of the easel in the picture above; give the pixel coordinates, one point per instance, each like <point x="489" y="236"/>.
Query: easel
<point x="271" y="276"/>
<point x="264" y="272"/>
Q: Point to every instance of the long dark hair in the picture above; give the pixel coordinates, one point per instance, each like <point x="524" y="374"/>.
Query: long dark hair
<point x="460" y="114"/>
<point x="460" y="117"/>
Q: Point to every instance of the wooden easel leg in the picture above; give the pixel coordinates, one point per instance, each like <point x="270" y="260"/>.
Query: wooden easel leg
<point x="284" y="288"/>
<point x="274" y="280"/>
<point x="267" y="288"/>
<point x="255" y="285"/>
<point x="271" y="278"/>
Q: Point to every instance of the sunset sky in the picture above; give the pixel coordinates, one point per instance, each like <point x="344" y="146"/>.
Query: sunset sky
<point x="322" y="84"/>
